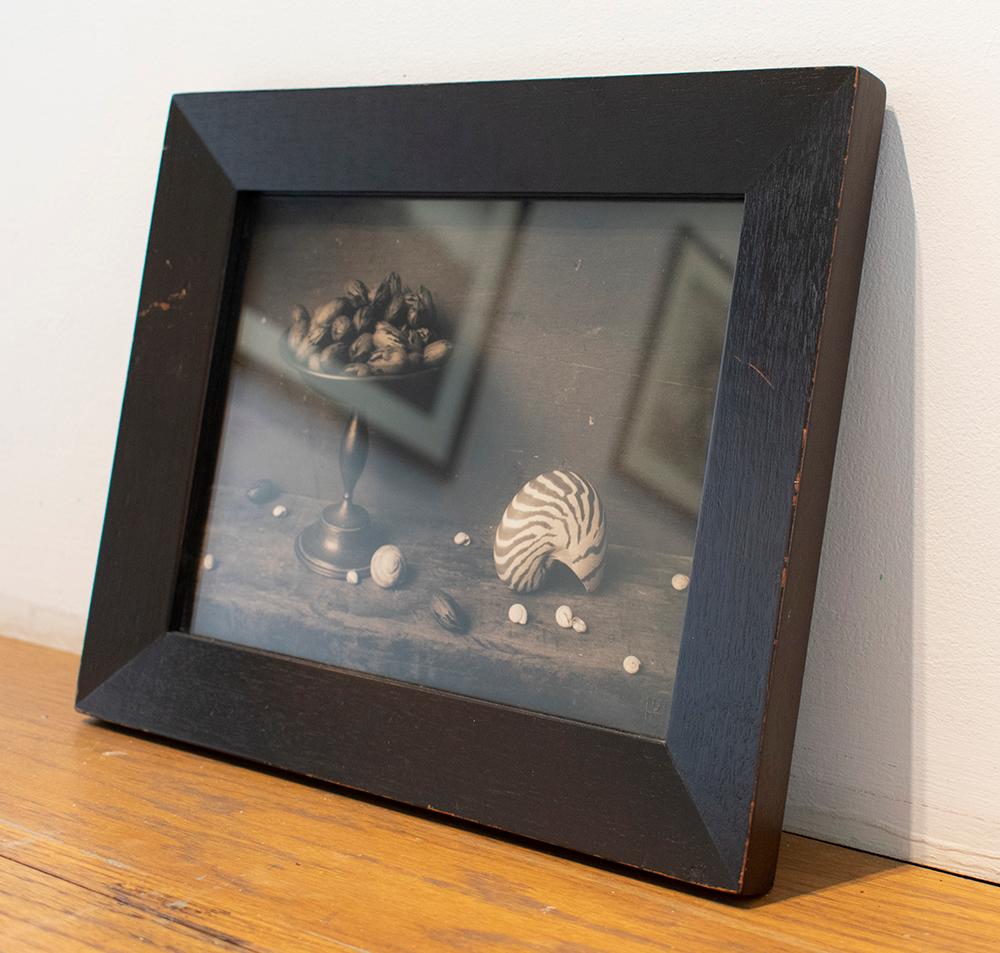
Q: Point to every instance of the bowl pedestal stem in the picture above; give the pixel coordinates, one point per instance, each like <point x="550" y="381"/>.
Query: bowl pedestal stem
<point x="343" y="538"/>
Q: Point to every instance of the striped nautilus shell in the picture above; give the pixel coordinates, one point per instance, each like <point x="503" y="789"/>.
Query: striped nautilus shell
<point x="556" y="517"/>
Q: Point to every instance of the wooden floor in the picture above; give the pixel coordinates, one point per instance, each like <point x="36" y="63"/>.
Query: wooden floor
<point x="110" y="841"/>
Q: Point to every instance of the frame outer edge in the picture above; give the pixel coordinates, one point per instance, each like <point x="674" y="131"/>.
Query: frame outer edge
<point x="165" y="310"/>
<point x="127" y="693"/>
<point x="725" y="677"/>
<point x="815" y="479"/>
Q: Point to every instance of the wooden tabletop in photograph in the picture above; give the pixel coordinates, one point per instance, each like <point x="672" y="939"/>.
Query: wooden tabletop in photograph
<point x="259" y="594"/>
<point x="111" y="841"/>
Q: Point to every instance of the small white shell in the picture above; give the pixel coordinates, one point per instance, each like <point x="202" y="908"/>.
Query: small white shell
<point x="352" y="577"/>
<point x="462" y="539"/>
<point x="208" y="563"/>
<point x="279" y="511"/>
<point x="631" y="664"/>
<point x="517" y="614"/>
<point x="679" y="581"/>
<point x="388" y="566"/>
<point x="579" y="625"/>
<point x="564" y="617"/>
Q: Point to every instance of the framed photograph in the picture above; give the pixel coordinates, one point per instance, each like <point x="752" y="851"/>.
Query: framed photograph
<point x="476" y="447"/>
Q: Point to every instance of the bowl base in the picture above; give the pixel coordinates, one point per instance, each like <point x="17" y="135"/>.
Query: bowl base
<point x="328" y="549"/>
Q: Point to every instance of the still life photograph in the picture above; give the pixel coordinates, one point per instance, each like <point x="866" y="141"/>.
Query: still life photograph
<point x="419" y="474"/>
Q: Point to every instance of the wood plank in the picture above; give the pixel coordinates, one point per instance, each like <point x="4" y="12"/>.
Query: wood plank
<point x="42" y="913"/>
<point x="207" y="852"/>
<point x="259" y="594"/>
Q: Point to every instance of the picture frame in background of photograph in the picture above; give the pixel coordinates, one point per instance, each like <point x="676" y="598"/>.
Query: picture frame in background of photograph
<point x="698" y="794"/>
<point x="426" y="428"/>
<point x="665" y="438"/>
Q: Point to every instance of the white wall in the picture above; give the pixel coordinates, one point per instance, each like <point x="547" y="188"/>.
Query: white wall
<point x="899" y="738"/>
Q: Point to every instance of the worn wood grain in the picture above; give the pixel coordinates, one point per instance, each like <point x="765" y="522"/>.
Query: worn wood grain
<point x="259" y="594"/>
<point x="43" y="912"/>
<point x="112" y="842"/>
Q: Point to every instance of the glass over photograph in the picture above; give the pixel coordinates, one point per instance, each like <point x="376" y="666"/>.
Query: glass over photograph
<point x="465" y="441"/>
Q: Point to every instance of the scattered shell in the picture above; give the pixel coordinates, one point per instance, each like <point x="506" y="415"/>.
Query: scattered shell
<point x="631" y="664"/>
<point x="208" y="563"/>
<point x="388" y="566"/>
<point x="352" y="577"/>
<point x="564" y="617"/>
<point x="556" y="517"/>
<point x="517" y="614"/>
<point x="679" y="581"/>
<point x="579" y="625"/>
<point x="462" y="539"/>
<point x="263" y="491"/>
<point x="447" y="612"/>
<point x="279" y="511"/>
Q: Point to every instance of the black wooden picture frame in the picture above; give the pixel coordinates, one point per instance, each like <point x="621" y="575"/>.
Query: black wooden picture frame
<point x="703" y="804"/>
